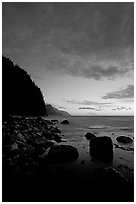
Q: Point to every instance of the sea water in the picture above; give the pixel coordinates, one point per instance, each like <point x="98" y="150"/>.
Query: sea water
<point x="112" y="126"/>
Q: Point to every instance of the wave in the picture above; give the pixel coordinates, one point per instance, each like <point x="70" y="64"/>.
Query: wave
<point x="98" y="127"/>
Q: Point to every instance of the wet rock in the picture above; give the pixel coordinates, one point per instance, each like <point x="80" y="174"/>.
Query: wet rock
<point x="101" y="148"/>
<point x="65" y="122"/>
<point x="115" y="176"/>
<point x="83" y="162"/>
<point x="20" y="137"/>
<point x="40" y="140"/>
<point x="124" y="139"/>
<point x="111" y="180"/>
<point x="89" y="136"/>
<point x="62" y="153"/>
<point x="124" y="148"/>
<point x="14" y="146"/>
<point x="57" y="137"/>
<point x="57" y="130"/>
<point x="54" y="121"/>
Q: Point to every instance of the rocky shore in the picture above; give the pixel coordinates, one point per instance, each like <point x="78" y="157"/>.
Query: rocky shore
<point x="29" y="145"/>
<point x="35" y="157"/>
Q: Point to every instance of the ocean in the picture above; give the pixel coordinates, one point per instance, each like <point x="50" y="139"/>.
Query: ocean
<point x="112" y="126"/>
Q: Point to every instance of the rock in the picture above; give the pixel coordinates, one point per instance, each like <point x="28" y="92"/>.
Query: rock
<point x="124" y="139"/>
<point x="89" y="136"/>
<point x="57" y="130"/>
<point x="65" y="122"/>
<point x="101" y="148"/>
<point x="62" y="153"/>
<point x="112" y="177"/>
<point x="54" y="121"/>
<point x="42" y="143"/>
<point x="57" y="137"/>
<point x="83" y="162"/>
<point x="109" y="180"/>
<point x="46" y="134"/>
<point x="14" y="146"/>
<point x="115" y="176"/>
<point x="21" y="137"/>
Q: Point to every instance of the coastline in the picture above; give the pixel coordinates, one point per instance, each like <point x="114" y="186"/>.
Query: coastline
<point x="72" y="176"/>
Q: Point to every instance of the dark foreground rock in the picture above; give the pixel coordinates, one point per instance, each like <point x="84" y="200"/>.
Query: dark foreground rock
<point x="24" y="140"/>
<point x="89" y="135"/>
<point x="62" y="153"/>
<point x="112" y="184"/>
<point x="101" y="148"/>
<point x="31" y="174"/>
<point x="65" y="122"/>
<point x="124" y="139"/>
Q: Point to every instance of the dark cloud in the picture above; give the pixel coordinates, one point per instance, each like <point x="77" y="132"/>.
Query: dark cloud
<point x="98" y="72"/>
<point x="121" y="108"/>
<point x="86" y="102"/>
<point x="91" y="40"/>
<point x="127" y="92"/>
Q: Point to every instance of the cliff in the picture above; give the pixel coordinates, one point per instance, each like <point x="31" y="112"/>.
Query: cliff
<point x="54" y="111"/>
<point x="20" y="95"/>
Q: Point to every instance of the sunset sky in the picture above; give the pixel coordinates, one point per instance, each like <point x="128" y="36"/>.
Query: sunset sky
<point x="81" y="55"/>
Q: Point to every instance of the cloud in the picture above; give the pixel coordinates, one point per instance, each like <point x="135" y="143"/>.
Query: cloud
<point x="86" y="102"/>
<point x="127" y="92"/>
<point x="121" y="108"/>
<point x="98" y="72"/>
<point x="90" y="40"/>
<point x="90" y="108"/>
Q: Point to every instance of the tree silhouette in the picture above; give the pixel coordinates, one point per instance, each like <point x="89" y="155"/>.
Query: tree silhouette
<point x="20" y="95"/>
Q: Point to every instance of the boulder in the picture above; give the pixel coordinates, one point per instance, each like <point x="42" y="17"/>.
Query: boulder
<point x="89" y="136"/>
<point x="21" y="137"/>
<point x="111" y="177"/>
<point x="109" y="180"/>
<point x="101" y="148"/>
<point x="65" y="122"/>
<point x="124" y="139"/>
<point x="62" y="153"/>
<point x="54" y="121"/>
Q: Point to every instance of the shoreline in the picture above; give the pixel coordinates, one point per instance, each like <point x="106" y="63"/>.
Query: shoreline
<point x="77" y="173"/>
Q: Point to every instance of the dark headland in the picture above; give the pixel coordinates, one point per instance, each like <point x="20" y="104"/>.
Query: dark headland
<point x="36" y="157"/>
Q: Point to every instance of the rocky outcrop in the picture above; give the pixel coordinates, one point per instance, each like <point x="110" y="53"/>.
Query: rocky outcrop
<point x="65" y="122"/>
<point x="20" y="95"/>
<point x="89" y="135"/>
<point x="124" y="139"/>
<point x="62" y="153"/>
<point x="101" y="148"/>
<point x="54" y="111"/>
<point x="25" y="142"/>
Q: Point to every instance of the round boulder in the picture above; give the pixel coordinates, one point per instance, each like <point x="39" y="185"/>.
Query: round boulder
<point x="65" y="122"/>
<point x="110" y="180"/>
<point x="124" y="139"/>
<point x="89" y="136"/>
<point x="62" y="153"/>
<point x="101" y="148"/>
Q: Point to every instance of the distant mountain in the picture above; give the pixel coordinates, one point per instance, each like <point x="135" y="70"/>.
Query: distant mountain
<point x="54" y="111"/>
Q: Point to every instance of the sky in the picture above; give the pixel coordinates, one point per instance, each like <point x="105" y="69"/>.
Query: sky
<point x="81" y="54"/>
